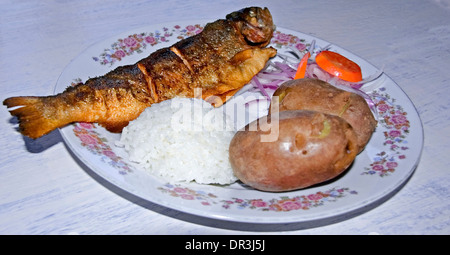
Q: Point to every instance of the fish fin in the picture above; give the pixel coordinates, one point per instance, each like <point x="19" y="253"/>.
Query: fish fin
<point x="34" y="118"/>
<point x="244" y="65"/>
<point x="114" y="127"/>
<point x="219" y="100"/>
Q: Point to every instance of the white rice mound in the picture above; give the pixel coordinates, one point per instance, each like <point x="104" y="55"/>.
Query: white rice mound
<point x="182" y="140"/>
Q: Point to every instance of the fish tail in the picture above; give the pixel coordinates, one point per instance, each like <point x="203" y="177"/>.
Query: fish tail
<point x="39" y="116"/>
<point x="35" y="118"/>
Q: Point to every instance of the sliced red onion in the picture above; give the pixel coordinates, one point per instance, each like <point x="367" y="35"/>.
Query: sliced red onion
<point x="274" y="76"/>
<point x="255" y="81"/>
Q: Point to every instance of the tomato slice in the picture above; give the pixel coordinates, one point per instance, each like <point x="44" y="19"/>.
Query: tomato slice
<point x="338" y="65"/>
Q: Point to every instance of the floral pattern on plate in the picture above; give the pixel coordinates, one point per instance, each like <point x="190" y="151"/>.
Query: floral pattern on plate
<point x="394" y="125"/>
<point x="394" y="119"/>
<point x="281" y="204"/>
<point x="287" y="203"/>
<point x="97" y="145"/>
<point x="280" y="39"/>
<point x="137" y="43"/>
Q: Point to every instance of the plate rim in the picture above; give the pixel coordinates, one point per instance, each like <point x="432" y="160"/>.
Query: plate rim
<point x="285" y="218"/>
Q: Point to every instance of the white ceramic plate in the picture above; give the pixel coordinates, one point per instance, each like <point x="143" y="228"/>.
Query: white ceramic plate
<point x="388" y="160"/>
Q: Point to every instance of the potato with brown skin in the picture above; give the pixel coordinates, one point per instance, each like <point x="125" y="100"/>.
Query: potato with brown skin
<point x="311" y="148"/>
<point x="320" y="96"/>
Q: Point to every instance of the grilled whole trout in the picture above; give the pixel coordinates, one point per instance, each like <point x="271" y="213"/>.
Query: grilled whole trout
<point x="218" y="61"/>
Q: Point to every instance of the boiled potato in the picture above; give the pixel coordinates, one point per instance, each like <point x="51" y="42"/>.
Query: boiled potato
<point x="320" y="96"/>
<point x="308" y="148"/>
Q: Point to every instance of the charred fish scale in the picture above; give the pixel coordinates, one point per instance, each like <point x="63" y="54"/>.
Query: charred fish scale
<point x="220" y="60"/>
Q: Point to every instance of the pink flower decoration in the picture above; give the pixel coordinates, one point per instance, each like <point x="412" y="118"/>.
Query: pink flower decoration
<point x="399" y="119"/>
<point x="300" y="46"/>
<point x="395" y="133"/>
<point x="179" y="190"/>
<point x="378" y="167"/>
<point x="391" y="165"/>
<point x="150" y="39"/>
<point x="291" y="205"/>
<point x="130" y="42"/>
<point x="383" y="107"/>
<point x="109" y="154"/>
<point x="315" y="196"/>
<point x="259" y="203"/>
<point x="87" y="139"/>
<point x="283" y="38"/>
<point x="120" y="54"/>
<point x="86" y="125"/>
<point x="187" y="196"/>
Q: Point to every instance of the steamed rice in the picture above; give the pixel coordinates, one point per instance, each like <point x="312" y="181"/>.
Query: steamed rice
<point x="182" y="140"/>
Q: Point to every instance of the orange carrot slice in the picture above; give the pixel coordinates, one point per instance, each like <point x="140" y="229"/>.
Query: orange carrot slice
<point x="301" y="69"/>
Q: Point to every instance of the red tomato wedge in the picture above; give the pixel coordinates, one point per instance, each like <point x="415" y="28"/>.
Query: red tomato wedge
<point x="338" y="65"/>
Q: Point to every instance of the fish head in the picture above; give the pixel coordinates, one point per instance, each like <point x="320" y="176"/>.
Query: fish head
<point x="255" y="24"/>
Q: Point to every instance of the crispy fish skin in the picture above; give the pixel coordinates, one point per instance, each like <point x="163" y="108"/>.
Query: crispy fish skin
<point x="219" y="61"/>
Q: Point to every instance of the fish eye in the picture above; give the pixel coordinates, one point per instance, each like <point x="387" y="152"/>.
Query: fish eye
<point x="252" y="13"/>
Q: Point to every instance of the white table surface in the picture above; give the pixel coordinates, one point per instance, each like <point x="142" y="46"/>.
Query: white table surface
<point x="44" y="190"/>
